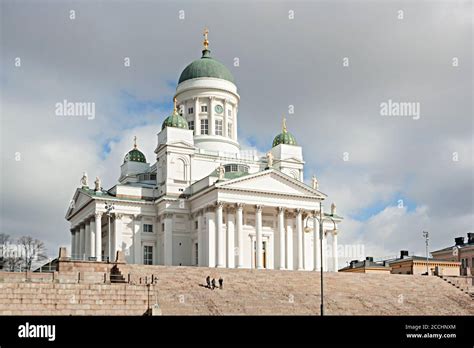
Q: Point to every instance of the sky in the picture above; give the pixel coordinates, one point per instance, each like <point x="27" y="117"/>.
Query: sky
<point x="391" y="177"/>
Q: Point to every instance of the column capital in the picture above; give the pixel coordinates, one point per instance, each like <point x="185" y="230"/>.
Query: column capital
<point x="259" y="208"/>
<point x="239" y="206"/>
<point x="219" y="204"/>
<point x="118" y="216"/>
<point x="281" y="210"/>
<point x="137" y="217"/>
<point x="195" y="98"/>
<point x="299" y="211"/>
<point x="98" y="214"/>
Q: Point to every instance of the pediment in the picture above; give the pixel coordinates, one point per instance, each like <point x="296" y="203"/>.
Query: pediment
<point x="79" y="200"/>
<point x="271" y="181"/>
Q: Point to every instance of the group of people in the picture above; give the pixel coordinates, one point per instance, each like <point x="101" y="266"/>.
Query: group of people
<point x="211" y="284"/>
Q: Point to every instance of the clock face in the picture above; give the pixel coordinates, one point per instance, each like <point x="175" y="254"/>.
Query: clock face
<point x="219" y="109"/>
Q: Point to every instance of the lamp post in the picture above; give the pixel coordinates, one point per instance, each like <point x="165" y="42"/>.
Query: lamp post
<point x="321" y="220"/>
<point x="108" y="209"/>
<point x="427" y="238"/>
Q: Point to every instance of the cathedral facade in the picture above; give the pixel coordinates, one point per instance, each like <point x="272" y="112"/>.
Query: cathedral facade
<point x="204" y="201"/>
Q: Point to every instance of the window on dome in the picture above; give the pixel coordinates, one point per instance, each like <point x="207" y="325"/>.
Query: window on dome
<point x="190" y="111"/>
<point x="229" y="130"/>
<point x="203" y="108"/>
<point x="191" y="125"/>
<point x="218" y="124"/>
<point x="181" y="109"/>
<point x="204" y="126"/>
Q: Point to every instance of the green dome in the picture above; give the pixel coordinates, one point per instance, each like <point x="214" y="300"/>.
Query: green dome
<point x="175" y="120"/>
<point x="284" y="138"/>
<point x="135" y="156"/>
<point x="206" y="67"/>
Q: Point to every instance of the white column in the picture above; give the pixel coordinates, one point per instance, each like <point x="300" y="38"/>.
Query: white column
<point x="289" y="242"/>
<point x="299" y="236"/>
<point x="210" y="114"/>
<point x="230" y="238"/>
<point x="77" y="244"/>
<point x="200" y="233"/>
<point x="226" y="119"/>
<point x="117" y="244"/>
<point x="92" y="237"/>
<point x="316" y="243"/>
<point x="73" y="243"/>
<point x="258" y="228"/>
<point x="211" y="237"/>
<point x="234" y="122"/>
<point x="197" y="124"/>
<point x="168" y="239"/>
<point x="325" y="263"/>
<point x="98" y="236"/>
<point x="82" y="247"/>
<point x="239" y="224"/>
<point x="220" y="237"/>
<point x="334" y="251"/>
<point x="137" y="240"/>
<point x="87" y="239"/>
<point x="281" y="231"/>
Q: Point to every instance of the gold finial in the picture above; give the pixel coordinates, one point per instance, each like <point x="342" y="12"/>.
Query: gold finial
<point x="175" y="110"/>
<point x="206" y="41"/>
<point x="283" y="125"/>
<point x="135" y="142"/>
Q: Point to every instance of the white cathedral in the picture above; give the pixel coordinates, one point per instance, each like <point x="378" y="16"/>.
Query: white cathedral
<point x="205" y="202"/>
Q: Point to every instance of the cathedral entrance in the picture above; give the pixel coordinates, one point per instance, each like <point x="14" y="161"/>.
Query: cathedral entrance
<point x="264" y="254"/>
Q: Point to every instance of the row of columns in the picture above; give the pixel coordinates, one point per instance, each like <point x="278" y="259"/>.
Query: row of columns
<point x="86" y="238"/>
<point x="215" y="237"/>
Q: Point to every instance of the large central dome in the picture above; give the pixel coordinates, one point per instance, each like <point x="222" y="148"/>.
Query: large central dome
<point x="206" y="67"/>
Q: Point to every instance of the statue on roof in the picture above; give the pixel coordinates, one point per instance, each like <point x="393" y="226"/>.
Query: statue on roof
<point x="333" y="208"/>
<point x="270" y="159"/>
<point x="221" y="172"/>
<point x="84" y="180"/>
<point x="97" y="184"/>
<point x="314" y="183"/>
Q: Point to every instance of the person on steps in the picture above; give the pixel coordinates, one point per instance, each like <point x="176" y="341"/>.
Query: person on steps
<point x="221" y="283"/>
<point x="208" y="281"/>
<point x="213" y="283"/>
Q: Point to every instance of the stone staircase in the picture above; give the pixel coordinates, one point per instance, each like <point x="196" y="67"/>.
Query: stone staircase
<point x="463" y="283"/>
<point x="182" y="291"/>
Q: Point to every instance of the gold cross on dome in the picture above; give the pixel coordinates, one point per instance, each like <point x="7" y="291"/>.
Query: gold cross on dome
<point x="135" y="142"/>
<point x="206" y="41"/>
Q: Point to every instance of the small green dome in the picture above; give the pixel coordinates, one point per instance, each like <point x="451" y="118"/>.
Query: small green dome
<point x="284" y="137"/>
<point x="175" y="120"/>
<point x="206" y="67"/>
<point x="135" y="155"/>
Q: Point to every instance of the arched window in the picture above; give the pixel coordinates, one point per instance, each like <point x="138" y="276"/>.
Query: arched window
<point x="180" y="169"/>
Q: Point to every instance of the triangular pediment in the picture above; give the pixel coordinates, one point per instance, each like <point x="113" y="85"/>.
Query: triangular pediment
<point x="271" y="181"/>
<point x="79" y="200"/>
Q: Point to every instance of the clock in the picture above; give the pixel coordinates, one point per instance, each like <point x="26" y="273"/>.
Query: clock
<point x="219" y="109"/>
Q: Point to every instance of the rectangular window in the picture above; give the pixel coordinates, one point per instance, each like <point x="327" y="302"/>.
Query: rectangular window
<point x="196" y="225"/>
<point x="190" y="111"/>
<point x="204" y="126"/>
<point x="147" y="255"/>
<point x="148" y="228"/>
<point x="196" y="254"/>
<point x="191" y="125"/>
<point x="229" y="130"/>
<point x="162" y="227"/>
<point x="218" y="124"/>
<point x="203" y="108"/>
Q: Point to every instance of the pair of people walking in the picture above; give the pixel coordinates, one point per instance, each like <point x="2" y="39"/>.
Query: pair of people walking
<point x="211" y="284"/>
